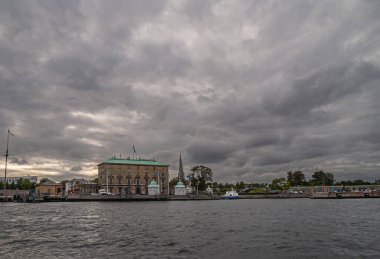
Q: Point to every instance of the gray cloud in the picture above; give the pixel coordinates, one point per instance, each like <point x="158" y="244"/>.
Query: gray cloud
<point x="250" y="89"/>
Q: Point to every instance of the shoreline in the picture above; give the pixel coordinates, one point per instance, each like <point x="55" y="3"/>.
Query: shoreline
<point x="141" y="198"/>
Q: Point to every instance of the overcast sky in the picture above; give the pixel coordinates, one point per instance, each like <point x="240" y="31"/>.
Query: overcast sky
<point x="251" y="89"/>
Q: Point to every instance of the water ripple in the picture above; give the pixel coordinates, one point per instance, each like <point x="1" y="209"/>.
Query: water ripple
<point x="192" y="229"/>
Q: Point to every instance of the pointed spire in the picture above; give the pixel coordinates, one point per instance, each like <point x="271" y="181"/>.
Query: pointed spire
<point x="181" y="174"/>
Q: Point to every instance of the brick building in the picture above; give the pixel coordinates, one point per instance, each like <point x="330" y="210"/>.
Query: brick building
<point x="132" y="175"/>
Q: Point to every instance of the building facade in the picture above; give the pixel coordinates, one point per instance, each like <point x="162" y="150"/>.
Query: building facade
<point x="132" y="175"/>
<point x="48" y="188"/>
<point x="79" y="186"/>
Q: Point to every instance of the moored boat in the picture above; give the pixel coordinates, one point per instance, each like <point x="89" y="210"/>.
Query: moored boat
<point x="231" y="195"/>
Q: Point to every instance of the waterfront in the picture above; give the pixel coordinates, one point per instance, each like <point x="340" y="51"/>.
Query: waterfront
<point x="291" y="228"/>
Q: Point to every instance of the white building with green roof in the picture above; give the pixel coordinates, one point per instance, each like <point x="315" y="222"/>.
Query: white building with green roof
<point x="132" y="176"/>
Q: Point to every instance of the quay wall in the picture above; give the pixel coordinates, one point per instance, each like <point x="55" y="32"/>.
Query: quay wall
<point x="275" y="196"/>
<point x="344" y="195"/>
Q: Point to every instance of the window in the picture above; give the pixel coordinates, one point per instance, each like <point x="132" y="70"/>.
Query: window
<point x="119" y="180"/>
<point x="129" y="181"/>
<point x="138" y="181"/>
<point x="120" y="189"/>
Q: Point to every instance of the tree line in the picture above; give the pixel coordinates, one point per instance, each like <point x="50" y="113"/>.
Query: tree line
<point x="319" y="178"/>
<point x="201" y="177"/>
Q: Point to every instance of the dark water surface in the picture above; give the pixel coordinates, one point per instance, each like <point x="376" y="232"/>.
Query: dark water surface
<point x="290" y="228"/>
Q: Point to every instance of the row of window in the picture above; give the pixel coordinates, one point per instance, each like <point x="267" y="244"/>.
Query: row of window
<point x="137" y="180"/>
<point x="156" y="174"/>
<point x="130" y="167"/>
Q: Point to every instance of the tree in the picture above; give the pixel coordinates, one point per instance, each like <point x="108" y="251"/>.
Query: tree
<point x="280" y="184"/>
<point x="296" y="178"/>
<point x="173" y="182"/>
<point x="322" y="178"/>
<point x="12" y="186"/>
<point x="200" y="175"/>
<point x="25" y="184"/>
<point x="240" y="186"/>
<point x="360" y="182"/>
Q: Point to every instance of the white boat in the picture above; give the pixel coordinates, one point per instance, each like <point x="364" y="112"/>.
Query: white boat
<point x="104" y="192"/>
<point x="230" y="195"/>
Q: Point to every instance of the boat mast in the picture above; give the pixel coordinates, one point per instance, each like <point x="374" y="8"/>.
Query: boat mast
<point x="6" y="160"/>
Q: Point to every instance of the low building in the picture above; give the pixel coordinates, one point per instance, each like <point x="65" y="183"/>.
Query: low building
<point x="132" y="175"/>
<point x="48" y="188"/>
<point x="79" y="186"/>
<point x="153" y="188"/>
<point x="180" y="189"/>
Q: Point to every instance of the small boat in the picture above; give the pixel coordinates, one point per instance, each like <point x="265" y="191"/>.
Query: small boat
<point x="230" y="195"/>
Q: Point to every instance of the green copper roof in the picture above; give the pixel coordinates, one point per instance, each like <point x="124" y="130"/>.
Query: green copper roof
<point x="153" y="184"/>
<point x="132" y="161"/>
<point x="180" y="185"/>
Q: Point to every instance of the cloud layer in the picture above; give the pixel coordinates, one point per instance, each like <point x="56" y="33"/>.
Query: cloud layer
<point x="250" y="89"/>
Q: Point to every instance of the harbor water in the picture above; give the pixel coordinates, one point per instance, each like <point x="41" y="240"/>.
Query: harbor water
<point x="267" y="228"/>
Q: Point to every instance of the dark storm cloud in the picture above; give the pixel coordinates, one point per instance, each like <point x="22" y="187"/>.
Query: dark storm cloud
<point x="16" y="160"/>
<point x="76" y="168"/>
<point x="208" y="152"/>
<point x="250" y="89"/>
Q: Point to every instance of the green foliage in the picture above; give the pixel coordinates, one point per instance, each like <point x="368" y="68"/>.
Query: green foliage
<point x="222" y="188"/>
<point x="258" y="190"/>
<point x="296" y="178"/>
<point x="96" y="180"/>
<point x="11" y="186"/>
<point x="173" y="182"/>
<point x="200" y="176"/>
<point x="25" y="184"/>
<point x="280" y="184"/>
<point x="322" y="178"/>
<point x="355" y="182"/>
<point x="240" y="185"/>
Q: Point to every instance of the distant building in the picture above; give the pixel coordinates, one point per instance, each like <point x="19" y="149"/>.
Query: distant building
<point x="32" y="179"/>
<point x="48" y="188"/>
<point x="132" y="175"/>
<point x="79" y="186"/>
<point x="180" y="189"/>
<point x="153" y="188"/>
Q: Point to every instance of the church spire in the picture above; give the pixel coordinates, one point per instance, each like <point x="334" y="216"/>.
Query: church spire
<point x="181" y="174"/>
